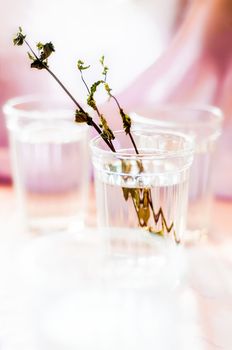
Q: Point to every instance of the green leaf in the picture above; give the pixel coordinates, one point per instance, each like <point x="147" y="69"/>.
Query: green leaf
<point x="95" y="85"/>
<point x="108" y="89"/>
<point x="102" y="60"/>
<point x="105" y="68"/>
<point x="40" y="46"/>
<point x="80" y="65"/>
<point x="90" y="100"/>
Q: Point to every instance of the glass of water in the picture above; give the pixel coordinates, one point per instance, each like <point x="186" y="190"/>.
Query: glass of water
<point x="204" y="124"/>
<point x="147" y="190"/>
<point x="49" y="154"/>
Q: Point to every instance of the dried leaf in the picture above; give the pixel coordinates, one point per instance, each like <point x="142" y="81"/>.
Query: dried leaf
<point x="140" y="166"/>
<point x="38" y="64"/>
<point x="19" y="38"/>
<point x="47" y="50"/>
<point x="126" y="121"/>
<point x="125" y="192"/>
<point x="136" y="197"/>
<point x="126" y="167"/>
<point x="106" y="131"/>
<point x="82" y="117"/>
<point x="144" y="215"/>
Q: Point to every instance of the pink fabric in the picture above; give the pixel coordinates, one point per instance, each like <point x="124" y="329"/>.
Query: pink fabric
<point x="195" y="69"/>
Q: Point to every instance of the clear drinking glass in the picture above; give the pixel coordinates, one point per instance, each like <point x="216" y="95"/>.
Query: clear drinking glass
<point x="147" y="190"/>
<point x="204" y="124"/>
<point x="49" y="154"/>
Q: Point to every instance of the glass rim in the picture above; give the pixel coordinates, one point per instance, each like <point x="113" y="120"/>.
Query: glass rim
<point x="10" y="107"/>
<point x="208" y="109"/>
<point x="158" y="154"/>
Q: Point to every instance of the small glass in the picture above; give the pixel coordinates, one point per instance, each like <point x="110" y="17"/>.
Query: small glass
<point x="147" y="190"/>
<point x="204" y="124"/>
<point x="49" y="154"/>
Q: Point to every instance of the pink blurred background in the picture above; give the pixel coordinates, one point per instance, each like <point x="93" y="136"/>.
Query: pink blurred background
<point x="158" y="51"/>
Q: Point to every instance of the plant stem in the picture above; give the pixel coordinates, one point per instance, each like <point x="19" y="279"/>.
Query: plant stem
<point x="133" y="142"/>
<point x="96" y="127"/>
<point x="64" y="88"/>
<point x="119" y="107"/>
<point x="160" y="213"/>
<point x="109" y="142"/>
<point x="56" y="78"/>
<point x="82" y="78"/>
<point x="129" y="133"/>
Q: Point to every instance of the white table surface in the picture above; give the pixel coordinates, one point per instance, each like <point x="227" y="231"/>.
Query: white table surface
<point x="202" y="304"/>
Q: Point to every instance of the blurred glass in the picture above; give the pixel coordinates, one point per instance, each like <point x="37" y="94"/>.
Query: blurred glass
<point x="205" y="125"/>
<point x="49" y="156"/>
